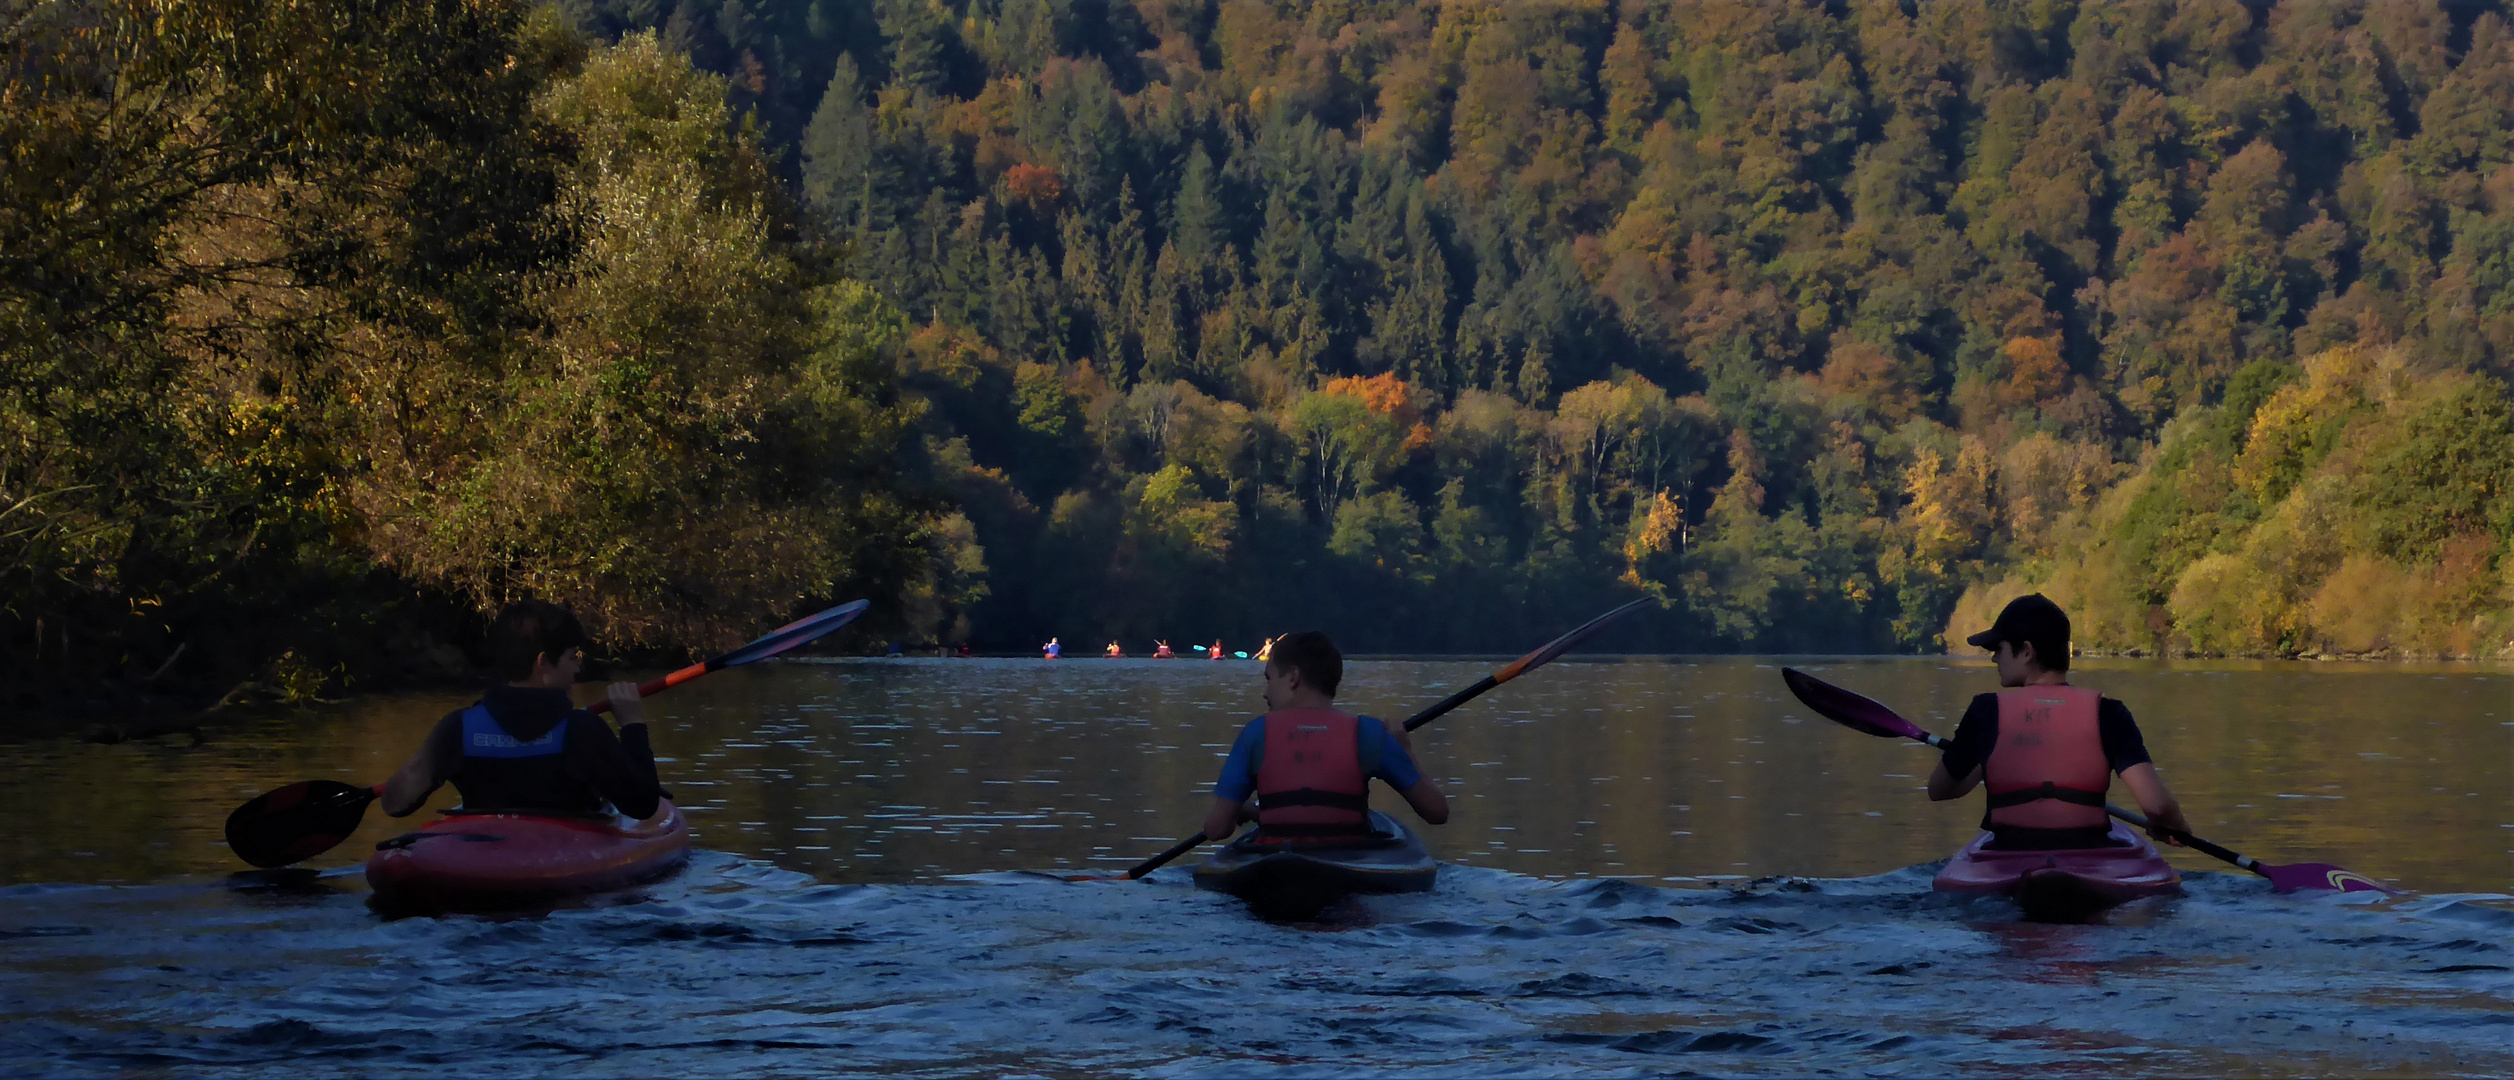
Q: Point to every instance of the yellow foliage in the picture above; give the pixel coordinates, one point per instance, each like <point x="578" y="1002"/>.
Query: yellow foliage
<point x="2213" y="608"/>
<point x="2355" y="610"/>
<point x="2285" y="428"/>
<point x="2041" y="479"/>
<point x="1950" y="511"/>
<point x="1656" y="530"/>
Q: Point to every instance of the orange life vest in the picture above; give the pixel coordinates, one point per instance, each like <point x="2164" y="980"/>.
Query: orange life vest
<point x="2048" y="769"/>
<point x="1311" y="781"/>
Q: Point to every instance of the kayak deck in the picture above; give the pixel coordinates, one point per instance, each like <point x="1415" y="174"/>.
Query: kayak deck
<point x="1296" y="879"/>
<point x="2064" y="885"/>
<point x="489" y="861"/>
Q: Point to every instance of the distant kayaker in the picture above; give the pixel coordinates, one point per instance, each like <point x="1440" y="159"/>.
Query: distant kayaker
<point x="2047" y="750"/>
<point x="1265" y="652"/>
<point x="1113" y="652"/>
<point x="1216" y="654"/>
<point x="1308" y="764"/>
<point x="525" y="745"/>
<point x="1052" y="650"/>
<point x="1161" y="651"/>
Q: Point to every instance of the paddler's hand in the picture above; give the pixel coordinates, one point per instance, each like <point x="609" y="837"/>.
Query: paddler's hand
<point x="2167" y="825"/>
<point x="624" y="700"/>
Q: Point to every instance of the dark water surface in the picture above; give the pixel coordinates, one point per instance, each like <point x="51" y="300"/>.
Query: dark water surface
<point x="1657" y="866"/>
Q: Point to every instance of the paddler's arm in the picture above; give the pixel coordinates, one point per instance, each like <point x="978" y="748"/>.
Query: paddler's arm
<point x="426" y="770"/>
<point x="1967" y="751"/>
<point x="1224" y="818"/>
<point x="410" y="786"/>
<point x="1943" y="785"/>
<point x="2162" y="809"/>
<point x="2126" y="751"/>
<point x="606" y="761"/>
<point x="1425" y="796"/>
<point x="1238" y="781"/>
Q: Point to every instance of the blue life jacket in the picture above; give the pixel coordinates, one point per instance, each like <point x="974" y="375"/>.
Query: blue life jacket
<point x="502" y="772"/>
<point x="483" y="738"/>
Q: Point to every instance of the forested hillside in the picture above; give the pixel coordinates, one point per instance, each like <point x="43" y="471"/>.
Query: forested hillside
<point x="1442" y="323"/>
<point x="327" y="326"/>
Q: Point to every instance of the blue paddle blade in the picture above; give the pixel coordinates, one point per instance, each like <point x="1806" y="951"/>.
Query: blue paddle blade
<point x="792" y="634"/>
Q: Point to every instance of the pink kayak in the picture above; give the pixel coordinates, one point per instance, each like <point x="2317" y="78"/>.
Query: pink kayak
<point x="484" y="861"/>
<point x="2063" y="885"/>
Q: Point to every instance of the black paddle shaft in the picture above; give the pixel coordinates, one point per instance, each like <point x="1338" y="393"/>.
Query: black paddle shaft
<point x="1452" y="701"/>
<point x="2140" y="820"/>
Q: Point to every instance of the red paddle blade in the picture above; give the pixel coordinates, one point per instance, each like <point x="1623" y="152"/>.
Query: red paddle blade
<point x="2287" y="879"/>
<point x="296" y="822"/>
<point x="1848" y="709"/>
<point x="792" y="634"/>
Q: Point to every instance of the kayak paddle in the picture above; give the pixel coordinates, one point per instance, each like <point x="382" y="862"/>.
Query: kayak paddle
<point x="307" y="818"/>
<point x="2283" y="879"/>
<point x="1861" y="714"/>
<point x="1543" y="655"/>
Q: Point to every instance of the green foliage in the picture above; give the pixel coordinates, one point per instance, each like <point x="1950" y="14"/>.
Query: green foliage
<point x="2446" y="469"/>
<point x="393" y="313"/>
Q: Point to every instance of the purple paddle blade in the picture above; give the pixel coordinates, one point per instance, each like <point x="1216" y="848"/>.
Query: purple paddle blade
<point x="1849" y="709"/>
<point x="2287" y="879"/>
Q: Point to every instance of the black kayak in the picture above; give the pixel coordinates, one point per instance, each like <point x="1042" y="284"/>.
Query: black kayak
<point x="1296" y="879"/>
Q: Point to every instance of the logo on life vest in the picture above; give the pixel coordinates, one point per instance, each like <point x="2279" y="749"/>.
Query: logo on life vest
<point x="503" y="741"/>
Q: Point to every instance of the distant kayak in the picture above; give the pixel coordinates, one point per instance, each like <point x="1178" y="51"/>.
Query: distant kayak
<point x="486" y="861"/>
<point x="2060" y="886"/>
<point x="1295" y="880"/>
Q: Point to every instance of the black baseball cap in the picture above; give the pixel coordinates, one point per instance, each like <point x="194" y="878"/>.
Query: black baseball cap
<point x="2028" y="618"/>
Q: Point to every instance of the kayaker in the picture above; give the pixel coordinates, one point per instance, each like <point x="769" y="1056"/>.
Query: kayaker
<point x="1309" y="764"/>
<point x="1161" y="651"/>
<point x="1216" y="654"/>
<point x="1113" y="652"/>
<point x="2046" y="749"/>
<point x="525" y="745"/>
<point x="1052" y="650"/>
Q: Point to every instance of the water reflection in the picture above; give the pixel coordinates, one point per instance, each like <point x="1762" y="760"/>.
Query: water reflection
<point x="1676" y="769"/>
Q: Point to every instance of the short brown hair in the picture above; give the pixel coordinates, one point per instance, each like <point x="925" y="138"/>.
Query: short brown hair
<point x="528" y="630"/>
<point x="1313" y="655"/>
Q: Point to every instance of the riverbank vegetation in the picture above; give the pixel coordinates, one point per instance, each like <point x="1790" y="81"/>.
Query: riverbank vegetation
<point x="328" y="327"/>
<point x="1440" y="325"/>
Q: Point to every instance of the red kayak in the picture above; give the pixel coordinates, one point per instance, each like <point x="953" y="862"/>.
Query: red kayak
<point x="2063" y="885"/>
<point x="485" y="861"/>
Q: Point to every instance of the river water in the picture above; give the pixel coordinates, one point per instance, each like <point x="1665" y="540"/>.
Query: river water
<point x="1656" y="866"/>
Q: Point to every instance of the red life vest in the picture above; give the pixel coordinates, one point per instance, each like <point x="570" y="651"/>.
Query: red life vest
<point x="2048" y="770"/>
<point x="1310" y="781"/>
